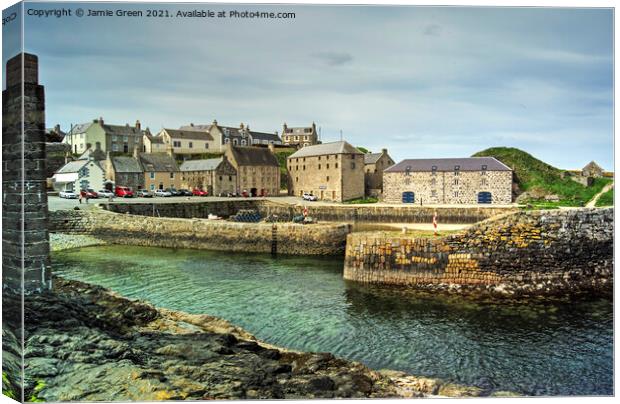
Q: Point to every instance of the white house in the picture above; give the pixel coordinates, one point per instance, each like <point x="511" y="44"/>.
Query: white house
<point x="80" y="174"/>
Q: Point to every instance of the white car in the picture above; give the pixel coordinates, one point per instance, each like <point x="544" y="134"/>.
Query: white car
<point x="105" y="194"/>
<point x="309" y="197"/>
<point x="68" y="195"/>
<point x="161" y="192"/>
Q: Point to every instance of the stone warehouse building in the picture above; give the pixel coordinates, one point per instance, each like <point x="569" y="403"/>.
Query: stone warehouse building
<point x="331" y="171"/>
<point x="473" y="180"/>
<point x="216" y="176"/>
<point x="114" y="138"/>
<point x="258" y="170"/>
<point x="374" y="165"/>
<point x="300" y="136"/>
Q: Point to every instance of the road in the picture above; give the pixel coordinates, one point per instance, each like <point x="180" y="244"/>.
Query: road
<point x="57" y="203"/>
<point x="592" y="202"/>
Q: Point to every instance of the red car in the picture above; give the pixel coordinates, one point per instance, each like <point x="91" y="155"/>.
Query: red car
<point x="123" y="192"/>
<point x="89" y="194"/>
<point x="199" y="192"/>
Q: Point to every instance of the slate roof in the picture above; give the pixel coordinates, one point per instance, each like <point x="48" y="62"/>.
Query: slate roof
<point x="448" y="164"/>
<point x="591" y="165"/>
<point x="158" y="162"/>
<point x="154" y="139"/>
<point x="125" y="164"/>
<point x="372" y="158"/>
<point x="340" y="147"/>
<point x="123" y="130"/>
<point x="199" y="127"/>
<point x="80" y="128"/>
<point x="272" y="137"/>
<point x="189" y="134"/>
<point x="53" y="130"/>
<point x="201" y="165"/>
<point x="72" y="166"/>
<point x="254" y="156"/>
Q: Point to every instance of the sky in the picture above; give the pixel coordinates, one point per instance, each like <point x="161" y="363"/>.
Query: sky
<point x="423" y="82"/>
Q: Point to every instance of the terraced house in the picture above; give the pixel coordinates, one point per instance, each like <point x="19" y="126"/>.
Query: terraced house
<point x="125" y="171"/>
<point x="258" y="170"/>
<point x="236" y="136"/>
<point x="160" y="171"/>
<point x="183" y="142"/>
<point x="330" y="171"/>
<point x="300" y="136"/>
<point x="473" y="180"/>
<point x="216" y="176"/>
<point x="114" y="138"/>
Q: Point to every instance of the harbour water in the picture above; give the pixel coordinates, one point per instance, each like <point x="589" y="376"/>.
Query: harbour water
<point x="302" y="303"/>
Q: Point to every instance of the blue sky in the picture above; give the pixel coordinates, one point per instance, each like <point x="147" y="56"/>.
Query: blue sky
<point x="421" y="81"/>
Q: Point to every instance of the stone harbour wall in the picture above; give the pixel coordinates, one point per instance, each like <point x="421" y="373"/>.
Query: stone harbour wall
<point x="348" y="214"/>
<point x="290" y="238"/>
<point x="536" y="252"/>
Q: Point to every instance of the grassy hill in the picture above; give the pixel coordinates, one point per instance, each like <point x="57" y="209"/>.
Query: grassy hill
<point x="540" y="179"/>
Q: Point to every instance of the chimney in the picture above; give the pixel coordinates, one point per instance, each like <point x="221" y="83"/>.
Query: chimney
<point x="57" y="128"/>
<point x="384" y="151"/>
<point x="100" y="120"/>
<point x="191" y="124"/>
<point x="272" y="148"/>
<point x="215" y="122"/>
<point x="138" y="126"/>
<point x="88" y="146"/>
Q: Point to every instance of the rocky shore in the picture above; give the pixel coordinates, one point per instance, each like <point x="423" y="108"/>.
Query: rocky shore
<point x="86" y="343"/>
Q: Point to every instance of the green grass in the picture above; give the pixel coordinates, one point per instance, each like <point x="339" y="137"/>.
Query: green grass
<point x="540" y="179"/>
<point x="357" y="201"/>
<point x="282" y="156"/>
<point x="607" y="199"/>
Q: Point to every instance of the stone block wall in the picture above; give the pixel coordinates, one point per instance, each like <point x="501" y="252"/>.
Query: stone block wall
<point x="526" y="252"/>
<point x="349" y="214"/>
<point x="25" y="241"/>
<point x="295" y="239"/>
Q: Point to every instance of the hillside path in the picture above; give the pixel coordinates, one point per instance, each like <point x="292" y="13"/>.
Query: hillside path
<point x="592" y="202"/>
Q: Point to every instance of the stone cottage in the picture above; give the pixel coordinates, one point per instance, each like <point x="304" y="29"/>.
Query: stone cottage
<point x="374" y="165"/>
<point x="160" y="171"/>
<point x="216" y="176"/>
<point x="473" y="180"/>
<point x="125" y="171"/>
<point x="300" y="136"/>
<point x="114" y="138"/>
<point x="330" y="171"/>
<point x="592" y="170"/>
<point x="258" y="170"/>
<point x="79" y="174"/>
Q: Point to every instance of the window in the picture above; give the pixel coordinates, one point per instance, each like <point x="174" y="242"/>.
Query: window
<point x="319" y="166"/>
<point x="304" y="168"/>
<point x="352" y="165"/>
<point x="191" y="145"/>
<point x="483" y="182"/>
<point x="327" y="166"/>
<point x="176" y="143"/>
<point x="243" y="142"/>
<point x="327" y="178"/>
<point x="456" y="181"/>
<point x="296" y="179"/>
<point x="336" y="165"/>
<point x="230" y="178"/>
<point x="456" y="170"/>
<point x="152" y="175"/>
<point x="319" y="158"/>
<point x="114" y="147"/>
<point x="171" y="176"/>
<point x="220" y="178"/>
<point x="227" y="140"/>
<point x="235" y="142"/>
<point x="152" y="187"/>
<point x="206" y="145"/>
<point x="353" y="157"/>
<point x="456" y="194"/>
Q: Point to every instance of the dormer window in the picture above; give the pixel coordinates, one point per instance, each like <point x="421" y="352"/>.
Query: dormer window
<point x="456" y="170"/>
<point x="434" y="170"/>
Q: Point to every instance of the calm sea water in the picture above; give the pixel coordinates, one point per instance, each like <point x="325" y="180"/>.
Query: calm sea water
<point x="560" y="348"/>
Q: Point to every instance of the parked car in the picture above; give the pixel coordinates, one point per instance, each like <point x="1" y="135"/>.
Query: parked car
<point x="309" y="197"/>
<point x="104" y="193"/>
<point x="199" y="192"/>
<point x="245" y="194"/>
<point x="232" y="195"/>
<point x="68" y="195"/>
<point x="185" y="192"/>
<point x="173" y="191"/>
<point x="145" y="193"/>
<point x="162" y="192"/>
<point x="123" y="192"/>
<point x="88" y="193"/>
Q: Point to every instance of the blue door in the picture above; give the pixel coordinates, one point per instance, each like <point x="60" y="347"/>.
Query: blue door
<point x="484" y="197"/>
<point x="408" y="197"/>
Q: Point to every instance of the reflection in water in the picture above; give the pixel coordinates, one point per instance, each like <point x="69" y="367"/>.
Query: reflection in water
<point x="303" y="303"/>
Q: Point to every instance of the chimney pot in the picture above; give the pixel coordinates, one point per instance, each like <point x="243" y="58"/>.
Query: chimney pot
<point x="384" y="151"/>
<point x="101" y="120"/>
<point x="138" y="125"/>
